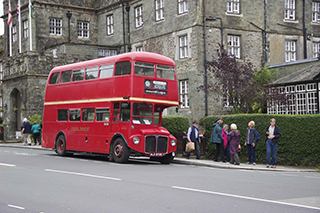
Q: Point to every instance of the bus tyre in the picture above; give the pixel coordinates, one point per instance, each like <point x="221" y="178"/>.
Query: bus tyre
<point x="166" y="159"/>
<point x="61" y="146"/>
<point x="120" y="151"/>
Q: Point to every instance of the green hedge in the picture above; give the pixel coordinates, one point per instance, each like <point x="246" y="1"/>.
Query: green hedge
<point x="175" y="123"/>
<point x="298" y="145"/>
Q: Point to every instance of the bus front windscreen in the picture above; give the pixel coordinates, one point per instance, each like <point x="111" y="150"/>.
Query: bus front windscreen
<point x="142" y="113"/>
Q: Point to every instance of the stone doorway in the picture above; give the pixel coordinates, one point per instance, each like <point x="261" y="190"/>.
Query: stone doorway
<point x="16" y="121"/>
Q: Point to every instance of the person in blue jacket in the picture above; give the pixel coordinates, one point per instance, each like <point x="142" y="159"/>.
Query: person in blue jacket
<point x="216" y="137"/>
<point x="251" y="141"/>
<point x="26" y="131"/>
<point x="273" y="133"/>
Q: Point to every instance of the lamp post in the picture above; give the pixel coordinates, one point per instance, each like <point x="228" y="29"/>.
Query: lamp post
<point x="69" y="15"/>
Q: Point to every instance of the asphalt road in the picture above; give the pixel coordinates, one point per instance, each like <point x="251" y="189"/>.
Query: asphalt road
<point x="40" y="181"/>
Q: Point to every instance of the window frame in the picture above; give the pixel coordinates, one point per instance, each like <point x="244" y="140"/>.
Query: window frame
<point x="316" y="49"/>
<point x="234" y="45"/>
<point x="159" y="10"/>
<point x="82" y="29"/>
<point x="183" y="93"/>
<point x="110" y="24"/>
<point x="25" y="28"/>
<point x="289" y="52"/>
<point x="55" y="26"/>
<point x="182" y="6"/>
<point x="316" y="12"/>
<point x="183" y="46"/>
<point x="138" y="16"/>
<point x="233" y="6"/>
<point x="290" y="10"/>
<point x="14" y="33"/>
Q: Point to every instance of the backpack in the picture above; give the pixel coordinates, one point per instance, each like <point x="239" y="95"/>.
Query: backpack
<point x="258" y="139"/>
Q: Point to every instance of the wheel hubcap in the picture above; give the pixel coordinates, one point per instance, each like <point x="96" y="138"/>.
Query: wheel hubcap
<point x="118" y="150"/>
<point x="60" y="146"/>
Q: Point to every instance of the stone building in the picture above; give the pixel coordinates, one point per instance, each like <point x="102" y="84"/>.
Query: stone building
<point x="56" y="32"/>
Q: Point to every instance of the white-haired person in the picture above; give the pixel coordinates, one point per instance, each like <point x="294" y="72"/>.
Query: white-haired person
<point x="26" y="131"/>
<point x="234" y="140"/>
<point x="251" y="141"/>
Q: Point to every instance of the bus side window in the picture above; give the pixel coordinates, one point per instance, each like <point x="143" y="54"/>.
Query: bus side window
<point x="125" y="112"/>
<point x="77" y="75"/>
<point x="74" y="114"/>
<point x="65" y="77"/>
<point x="88" y="114"/>
<point x="123" y="68"/>
<point x="106" y="71"/>
<point x="54" y="78"/>
<point x="144" y="69"/>
<point x="92" y="73"/>
<point x="103" y="114"/>
<point x="62" y="115"/>
<point x="116" y="107"/>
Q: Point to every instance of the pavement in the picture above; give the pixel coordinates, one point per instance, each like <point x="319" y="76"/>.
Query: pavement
<point x="203" y="162"/>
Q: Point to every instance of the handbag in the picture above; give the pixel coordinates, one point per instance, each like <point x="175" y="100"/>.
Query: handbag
<point x="239" y="148"/>
<point x="189" y="147"/>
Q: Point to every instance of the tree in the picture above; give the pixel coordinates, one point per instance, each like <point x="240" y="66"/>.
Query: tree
<point x="242" y="87"/>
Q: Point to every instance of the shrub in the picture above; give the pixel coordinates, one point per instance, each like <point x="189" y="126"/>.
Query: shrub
<point x="36" y="118"/>
<point x="175" y="123"/>
<point x="298" y="145"/>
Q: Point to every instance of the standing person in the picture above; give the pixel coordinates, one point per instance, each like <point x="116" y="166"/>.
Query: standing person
<point x="35" y="133"/>
<point x="273" y="133"/>
<point x="234" y="140"/>
<point x="216" y="137"/>
<point x="251" y="141"/>
<point x="225" y="140"/>
<point x="193" y="136"/>
<point x="26" y="131"/>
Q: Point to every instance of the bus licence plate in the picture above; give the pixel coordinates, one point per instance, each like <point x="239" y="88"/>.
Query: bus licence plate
<point x="156" y="154"/>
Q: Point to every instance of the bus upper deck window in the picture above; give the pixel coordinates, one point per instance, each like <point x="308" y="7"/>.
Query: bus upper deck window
<point x="54" y="78"/>
<point x="123" y="68"/>
<point x="65" y="77"/>
<point x="74" y="114"/>
<point x="92" y="73"/>
<point x="77" y="75"/>
<point x="144" y="69"/>
<point x="166" y="72"/>
<point x="106" y="71"/>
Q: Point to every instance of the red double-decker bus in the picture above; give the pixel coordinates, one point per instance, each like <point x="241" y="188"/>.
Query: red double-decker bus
<point x="112" y="106"/>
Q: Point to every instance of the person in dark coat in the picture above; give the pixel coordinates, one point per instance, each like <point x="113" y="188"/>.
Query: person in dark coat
<point x="273" y="133"/>
<point x="251" y="141"/>
<point x="26" y="131"/>
<point x="234" y="140"/>
<point x="216" y="137"/>
<point x="193" y="136"/>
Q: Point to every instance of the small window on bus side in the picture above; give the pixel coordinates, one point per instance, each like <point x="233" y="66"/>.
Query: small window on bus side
<point x="103" y="114"/>
<point x="74" y="115"/>
<point x="144" y="69"/>
<point x="62" y="115"/>
<point x="123" y="68"/>
<point x="165" y="72"/>
<point x="106" y="71"/>
<point x="65" y="77"/>
<point x="92" y="73"/>
<point x="77" y="75"/>
<point x="88" y="114"/>
<point x="54" y="78"/>
<point x="125" y="112"/>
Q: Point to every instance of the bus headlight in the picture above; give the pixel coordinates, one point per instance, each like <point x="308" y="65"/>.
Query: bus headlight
<point x="136" y="140"/>
<point x="173" y="142"/>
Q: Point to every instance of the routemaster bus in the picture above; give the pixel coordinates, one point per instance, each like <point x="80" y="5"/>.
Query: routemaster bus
<point x="111" y="106"/>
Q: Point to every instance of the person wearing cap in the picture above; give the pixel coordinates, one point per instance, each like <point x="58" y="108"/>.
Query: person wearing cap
<point x="193" y="136"/>
<point x="26" y="131"/>
<point x="35" y="133"/>
<point x="216" y="137"/>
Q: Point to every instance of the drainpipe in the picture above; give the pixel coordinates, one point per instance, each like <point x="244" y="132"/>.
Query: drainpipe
<point x="123" y="29"/>
<point x="304" y="30"/>
<point x="69" y="15"/>
<point x="205" y="59"/>
<point x="128" y="20"/>
<point x="265" y="32"/>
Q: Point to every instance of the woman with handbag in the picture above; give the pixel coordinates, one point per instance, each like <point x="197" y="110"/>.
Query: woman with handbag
<point x="234" y="141"/>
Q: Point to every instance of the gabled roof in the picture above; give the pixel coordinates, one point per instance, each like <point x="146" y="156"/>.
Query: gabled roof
<point x="308" y="74"/>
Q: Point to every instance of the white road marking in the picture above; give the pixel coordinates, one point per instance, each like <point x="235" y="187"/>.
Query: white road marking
<point x="97" y="161"/>
<point x="244" y="197"/>
<point x="6" y="151"/>
<point x="83" y="160"/>
<point x="16" y="207"/>
<point x="313" y="177"/>
<point x="82" y="174"/>
<point x="119" y="164"/>
<point x="4" y="164"/>
<point x="289" y="175"/>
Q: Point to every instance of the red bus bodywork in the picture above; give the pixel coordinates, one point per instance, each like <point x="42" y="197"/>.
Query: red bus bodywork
<point x="116" y="95"/>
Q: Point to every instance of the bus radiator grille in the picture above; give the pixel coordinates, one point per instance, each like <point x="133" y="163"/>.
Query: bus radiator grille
<point x="156" y="144"/>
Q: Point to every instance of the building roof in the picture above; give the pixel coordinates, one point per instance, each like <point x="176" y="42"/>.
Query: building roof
<point x="307" y="74"/>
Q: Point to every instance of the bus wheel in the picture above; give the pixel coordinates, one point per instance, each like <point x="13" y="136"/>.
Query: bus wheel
<point x="120" y="151"/>
<point x="166" y="159"/>
<point x="61" y="146"/>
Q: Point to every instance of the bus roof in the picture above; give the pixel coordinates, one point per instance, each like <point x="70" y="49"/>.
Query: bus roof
<point x="136" y="56"/>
